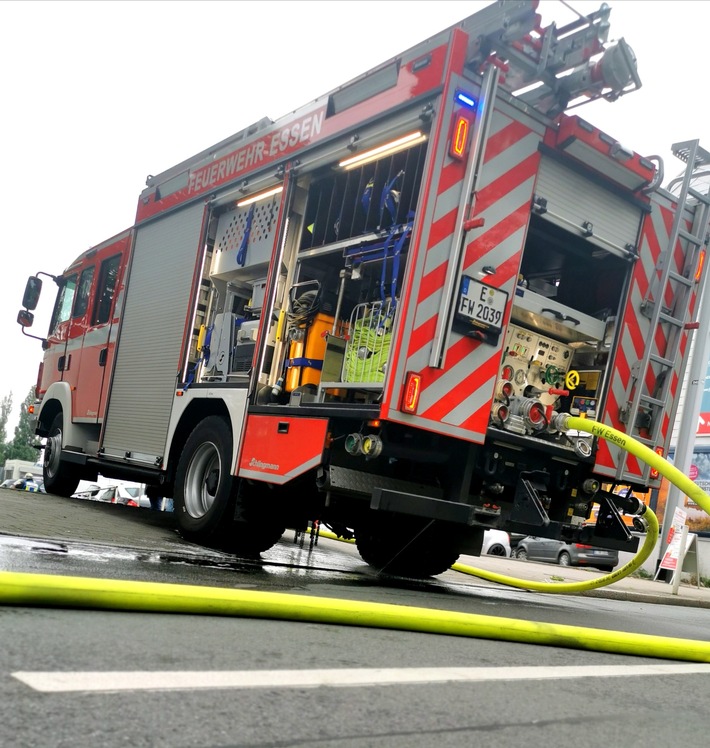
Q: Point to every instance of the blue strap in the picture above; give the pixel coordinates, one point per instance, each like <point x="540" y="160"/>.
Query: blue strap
<point x="311" y="363"/>
<point x="390" y="236"/>
<point x="242" y="254"/>
<point x="389" y="199"/>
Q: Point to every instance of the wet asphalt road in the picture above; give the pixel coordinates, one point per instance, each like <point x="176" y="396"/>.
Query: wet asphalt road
<point x="47" y="535"/>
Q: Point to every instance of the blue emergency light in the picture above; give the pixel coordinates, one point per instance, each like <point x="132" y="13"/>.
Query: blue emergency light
<point x="466" y="99"/>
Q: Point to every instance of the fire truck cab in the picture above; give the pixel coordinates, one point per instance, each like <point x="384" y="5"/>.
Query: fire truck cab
<point x="371" y="312"/>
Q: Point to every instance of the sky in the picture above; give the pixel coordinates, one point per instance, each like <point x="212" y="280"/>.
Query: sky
<point x="97" y="95"/>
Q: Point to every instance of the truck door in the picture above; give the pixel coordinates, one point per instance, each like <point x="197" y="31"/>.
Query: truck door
<point x="75" y="346"/>
<point x="55" y="355"/>
<point x="92" y="333"/>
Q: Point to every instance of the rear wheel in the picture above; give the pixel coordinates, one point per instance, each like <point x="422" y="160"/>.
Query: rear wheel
<point x="496" y="550"/>
<point x="565" y="559"/>
<point x="60" y="477"/>
<point x="407" y="546"/>
<point x="206" y="493"/>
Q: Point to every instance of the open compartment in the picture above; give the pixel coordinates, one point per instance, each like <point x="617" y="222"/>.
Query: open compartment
<point x="349" y="266"/>
<point x="556" y="350"/>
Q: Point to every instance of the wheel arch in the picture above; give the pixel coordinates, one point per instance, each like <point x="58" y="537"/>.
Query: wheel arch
<point x="57" y="400"/>
<point x="197" y="410"/>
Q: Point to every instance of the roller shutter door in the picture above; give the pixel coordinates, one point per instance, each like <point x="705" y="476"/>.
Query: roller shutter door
<point x="573" y="200"/>
<point x="150" y="342"/>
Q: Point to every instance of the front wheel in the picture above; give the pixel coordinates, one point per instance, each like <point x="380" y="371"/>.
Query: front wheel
<point x="60" y="477"/>
<point x="521" y="553"/>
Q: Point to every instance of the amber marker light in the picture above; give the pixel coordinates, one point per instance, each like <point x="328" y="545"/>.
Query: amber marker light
<point x="459" y="138"/>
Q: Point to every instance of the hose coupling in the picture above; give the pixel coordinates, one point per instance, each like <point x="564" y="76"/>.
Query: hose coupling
<point x="372" y="446"/>
<point x="558" y="421"/>
<point x="353" y="444"/>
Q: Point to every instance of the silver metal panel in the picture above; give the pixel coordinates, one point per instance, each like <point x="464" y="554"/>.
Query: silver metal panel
<point x="149" y="346"/>
<point x="257" y="249"/>
<point x="577" y="200"/>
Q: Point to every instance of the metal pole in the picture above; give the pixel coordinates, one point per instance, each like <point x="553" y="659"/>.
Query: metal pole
<point x="681" y="558"/>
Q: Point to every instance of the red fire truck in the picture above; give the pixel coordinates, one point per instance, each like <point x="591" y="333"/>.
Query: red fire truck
<point x="370" y="312"/>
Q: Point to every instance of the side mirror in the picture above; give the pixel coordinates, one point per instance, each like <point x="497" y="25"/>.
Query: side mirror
<point x="25" y="318"/>
<point x="32" y="292"/>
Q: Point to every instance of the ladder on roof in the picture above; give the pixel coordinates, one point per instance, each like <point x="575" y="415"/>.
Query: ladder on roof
<point x="666" y="304"/>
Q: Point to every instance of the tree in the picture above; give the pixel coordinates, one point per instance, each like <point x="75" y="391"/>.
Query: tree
<point x="20" y="448"/>
<point x="5" y="410"/>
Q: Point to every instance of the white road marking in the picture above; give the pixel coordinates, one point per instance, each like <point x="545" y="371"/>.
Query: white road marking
<point x="192" y="680"/>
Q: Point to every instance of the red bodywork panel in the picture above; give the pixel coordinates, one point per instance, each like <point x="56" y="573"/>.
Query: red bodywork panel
<point x="277" y="449"/>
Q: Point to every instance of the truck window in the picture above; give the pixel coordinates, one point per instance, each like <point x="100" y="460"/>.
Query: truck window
<point x="65" y="300"/>
<point x="106" y="290"/>
<point x="84" y="289"/>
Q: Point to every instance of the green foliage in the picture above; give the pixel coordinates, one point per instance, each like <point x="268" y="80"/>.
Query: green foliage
<point x="5" y="409"/>
<point x="20" y="448"/>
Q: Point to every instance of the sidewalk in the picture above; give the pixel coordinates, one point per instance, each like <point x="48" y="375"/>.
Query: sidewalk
<point x="38" y="515"/>
<point x="629" y="588"/>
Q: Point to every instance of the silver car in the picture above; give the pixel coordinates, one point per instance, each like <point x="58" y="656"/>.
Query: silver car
<point x="566" y="554"/>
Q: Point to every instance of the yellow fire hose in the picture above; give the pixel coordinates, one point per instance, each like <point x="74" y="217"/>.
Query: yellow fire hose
<point x="80" y="592"/>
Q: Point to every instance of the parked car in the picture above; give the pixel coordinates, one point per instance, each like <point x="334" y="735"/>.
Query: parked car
<point x="126" y="495"/>
<point x="532" y="548"/>
<point x="496" y="543"/>
<point x="9" y="483"/>
<point x="88" y="492"/>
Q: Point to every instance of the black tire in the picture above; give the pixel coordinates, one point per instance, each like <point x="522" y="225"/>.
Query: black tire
<point x="60" y="477"/>
<point x="407" y="546"/>
<point x="496" y="550"/>
<point x="521" y="553"/>
<point x="205" y="495"/>
<point x="565" y="559"/>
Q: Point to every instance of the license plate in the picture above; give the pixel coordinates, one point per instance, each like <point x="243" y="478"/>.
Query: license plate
<point x="481" y="305"/>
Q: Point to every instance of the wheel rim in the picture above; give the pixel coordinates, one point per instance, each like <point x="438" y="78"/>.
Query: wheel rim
<point x="564" y="560"/>
<point x="202" y="480"/>
<point x="52" y="454"/>
<point x="496" y="550"/>
<point x="522" y="554"/>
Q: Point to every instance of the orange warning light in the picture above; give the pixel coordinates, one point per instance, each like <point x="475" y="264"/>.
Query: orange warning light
<point x="459" y="138"/>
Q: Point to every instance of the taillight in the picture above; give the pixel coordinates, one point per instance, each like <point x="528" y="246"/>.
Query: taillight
<point x="412" y="390"/>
